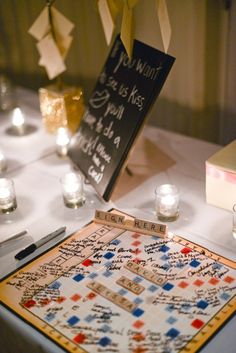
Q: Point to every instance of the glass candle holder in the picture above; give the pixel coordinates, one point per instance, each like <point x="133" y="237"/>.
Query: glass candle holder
<point x="167" y="202"/>
<point x="73" y="190"/>
<point x="7" y="94"/>
<point x="234" y="221"/>
<point x="7" y="196"/>
<point x="3" y="162"/>
<point x="18" y="125"/>
<point x="63" y="141"/>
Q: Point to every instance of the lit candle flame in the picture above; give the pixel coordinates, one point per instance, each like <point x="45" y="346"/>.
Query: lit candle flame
<point x="63" y="136"/>
<point x="18" y="119"/>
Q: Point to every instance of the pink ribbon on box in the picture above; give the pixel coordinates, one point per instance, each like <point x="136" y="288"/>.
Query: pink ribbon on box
<point x="220" y="174"/>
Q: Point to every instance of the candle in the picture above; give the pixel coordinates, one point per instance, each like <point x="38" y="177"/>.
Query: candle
<point x="18" y="121"/>
<point x="167" y="202"/>
<point x="7" y="196"/>
<point x="73" y="190"/>
<point x="63" y="141"/>
<point x="3" y="162"/>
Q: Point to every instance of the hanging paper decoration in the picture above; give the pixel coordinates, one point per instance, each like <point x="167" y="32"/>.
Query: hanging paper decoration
<point x="109" y="9"/>
<point x="164" y="21"/>
<point x="127" y="28"/>
<point x="52" y="31"/>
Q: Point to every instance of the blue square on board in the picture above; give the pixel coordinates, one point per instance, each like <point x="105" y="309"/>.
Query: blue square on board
<point x="153" y="288"/>
<point x="170" y="308"/>
<point x="73" y="320"/>
<point x="138" y="312"/>
<point x="50" y="316"/>
<point x="202" y="304"/>
<point x="105" y="328"/>
<point x="107" y="274"/>
<point x="137" y="279"/>
<point x="138" y="300"/>
<point x="166" y="266"/>
<point x="171" y="320"/>
<point x="155" y="237"/>
<point x="104" y="341"/>
<point x="225" y="296"/>
<point x="55" y="285"/>
<point x="165" y="257"/>
<point x="172" y="333"/>
<point x="78" y="277"/>
<point x="122" y="292"/>
<point x="115" y="242"/>
<point x="186" y="306"/>
<point x="180" y="264"/>
<point x="164" y="248"/>
<point x="89" y="318"/>
<point x="92" y="275"/>
<point x="108" y="263"/>
<point x="168" y="286"/>
<point x="216" y="266"/>
<point x="194" y="263"/>
<point x="109" y="255"/>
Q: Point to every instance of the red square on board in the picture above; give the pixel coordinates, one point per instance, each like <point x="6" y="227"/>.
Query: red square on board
<point x="138" y="323"/>
<point x="185" y="251"/>
<point x="214" y="281"/>
<point x="229" y="279"/>
<point x="183" y="284"/>
<point x="87" y="262"/>
<point x="80" y="338"/>
<point x="30" y="303"/>
<point x="136" y="235"/>
<point x="139" y="337"/>
<point x="139" y="349"/>
<point x="75" y="297"/>
<point x="60" y="299"/>
<point x="198" y="283"/>
<point x="44" y="301"/>
<point x="197" y="323"/>
<point x="136" y="243"/>
<point x="91" y="295"/>
<point x="136" y="251"/>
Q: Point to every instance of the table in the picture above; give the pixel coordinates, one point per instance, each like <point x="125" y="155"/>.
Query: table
<point x="159" y="157"/>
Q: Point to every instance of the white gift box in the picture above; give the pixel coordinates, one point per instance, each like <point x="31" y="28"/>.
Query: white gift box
<point x="221" y="177"/>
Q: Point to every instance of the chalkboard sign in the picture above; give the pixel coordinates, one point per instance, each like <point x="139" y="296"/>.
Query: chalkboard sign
<point x="117" y="108"/>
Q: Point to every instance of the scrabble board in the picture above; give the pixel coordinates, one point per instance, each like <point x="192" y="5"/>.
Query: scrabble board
<point x="107" y="289"/>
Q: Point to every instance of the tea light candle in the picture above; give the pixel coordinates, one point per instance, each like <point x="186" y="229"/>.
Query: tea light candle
<point x="63" y="141"/>
<point x="3" y="162"/>
<point x="167" y="202"/>
<point x="73" y="190"/>
<point x="18" y="121"/>
<point x="7" y="196"/>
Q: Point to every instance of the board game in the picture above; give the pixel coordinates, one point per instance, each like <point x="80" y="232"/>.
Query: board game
<point x="108" y="289"/>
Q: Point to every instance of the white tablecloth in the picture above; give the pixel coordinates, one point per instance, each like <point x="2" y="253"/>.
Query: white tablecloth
<point x="159" y="157"/>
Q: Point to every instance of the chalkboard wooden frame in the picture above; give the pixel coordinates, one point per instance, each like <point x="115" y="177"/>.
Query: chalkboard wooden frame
<point x="116" y="112"/>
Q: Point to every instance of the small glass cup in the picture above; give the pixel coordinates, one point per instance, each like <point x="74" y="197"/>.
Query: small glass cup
<point x="167" y="202"/>
<point x="7" y="94"/>
<point x="7" y="196"/>
<point x="3" y="162"/>
<point x="234" y="221"/>
<point x="73" y="190"/>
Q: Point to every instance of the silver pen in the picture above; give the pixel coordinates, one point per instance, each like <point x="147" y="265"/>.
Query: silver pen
<point x="32" y="247"/>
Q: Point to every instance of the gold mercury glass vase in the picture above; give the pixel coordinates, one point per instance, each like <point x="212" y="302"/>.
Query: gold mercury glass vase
<point x="61" y="106"/>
